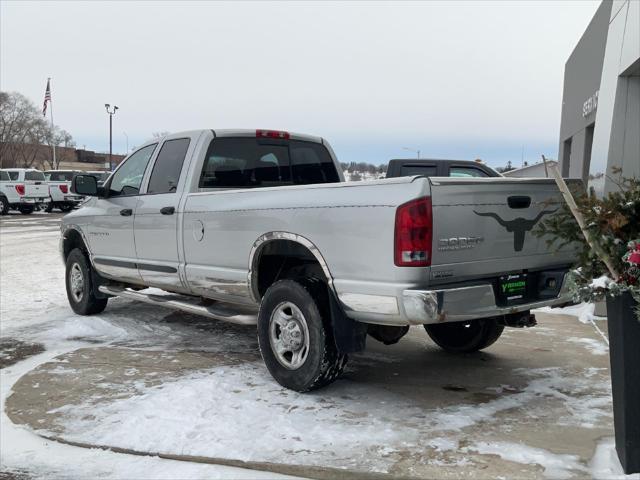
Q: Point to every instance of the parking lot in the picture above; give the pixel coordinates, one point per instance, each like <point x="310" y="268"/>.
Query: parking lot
<point x="145" y="380"/>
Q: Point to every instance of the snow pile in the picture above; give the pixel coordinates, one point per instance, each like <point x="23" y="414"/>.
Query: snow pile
<point x="605" y="464"/>
<point x="584" y="311"/>
<point x="83" y="328"/>
<point x="240" y="413"/>
<point x="555" y="466"/>
<point x="594" y="346"/>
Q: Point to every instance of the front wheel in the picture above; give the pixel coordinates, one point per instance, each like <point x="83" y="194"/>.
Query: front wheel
<point x="465" y="337"/>
<point x="79" y="286"/>
<point x="295" y="336"/>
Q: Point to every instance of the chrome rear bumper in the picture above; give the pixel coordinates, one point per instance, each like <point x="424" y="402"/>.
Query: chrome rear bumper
<point x="464" y="303"/>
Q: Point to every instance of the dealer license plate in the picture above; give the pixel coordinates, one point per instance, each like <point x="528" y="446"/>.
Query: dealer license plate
<point x="513" y="288"/>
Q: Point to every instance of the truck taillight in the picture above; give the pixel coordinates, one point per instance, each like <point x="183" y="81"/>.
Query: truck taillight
<point x="20" y="189"/>
<point x="414" y="233"/>
<point x="272" y="134"/>
<point x="64" y="188"/>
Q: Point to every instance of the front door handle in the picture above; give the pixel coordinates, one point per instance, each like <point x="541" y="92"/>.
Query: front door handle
<point x="126" y="212"/>
<point x="168" y="210"/>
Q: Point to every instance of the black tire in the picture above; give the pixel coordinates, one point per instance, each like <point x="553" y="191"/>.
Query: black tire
<point x="26" y="210"/>
<point x="81" y="299"/>
<point x="4" y="206"/>
<point x="465" y="337"/>
<point x="48" y="208"/>
<point x="66" y="207"/>
<point x="322" y="363"/>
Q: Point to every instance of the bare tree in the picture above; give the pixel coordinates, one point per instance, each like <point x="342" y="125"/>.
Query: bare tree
<point x="23" y="131"/>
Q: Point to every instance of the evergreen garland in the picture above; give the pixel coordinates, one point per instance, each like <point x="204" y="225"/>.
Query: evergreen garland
<point x="614" y="223"/>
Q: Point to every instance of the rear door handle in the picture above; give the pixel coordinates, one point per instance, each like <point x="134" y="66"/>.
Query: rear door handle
<point x="167" y="210"/>
<point x="126" y="212"/>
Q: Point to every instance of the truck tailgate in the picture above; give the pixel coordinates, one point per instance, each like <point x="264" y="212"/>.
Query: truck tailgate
<point x="485" y="227"/>
<point x="36" y="189"/>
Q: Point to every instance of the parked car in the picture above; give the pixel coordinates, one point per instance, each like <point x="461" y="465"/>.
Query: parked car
<point x="100" y="176"/>
<point x="259" y="227"/>
<point x="22" y="189"/>
<point x="60" y="190"/>
<point x="438" y="168"/>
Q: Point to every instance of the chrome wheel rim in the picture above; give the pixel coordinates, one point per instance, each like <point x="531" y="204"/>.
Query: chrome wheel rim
<point x="289" y="336"/>
<point x="76" y="282"/>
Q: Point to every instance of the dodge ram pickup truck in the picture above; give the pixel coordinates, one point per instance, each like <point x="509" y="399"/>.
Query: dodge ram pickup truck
<point x="259" y="227"/>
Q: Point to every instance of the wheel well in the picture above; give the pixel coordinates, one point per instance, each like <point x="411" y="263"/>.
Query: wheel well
<point x="281" y="259"/>
<point x="72" y="239"/>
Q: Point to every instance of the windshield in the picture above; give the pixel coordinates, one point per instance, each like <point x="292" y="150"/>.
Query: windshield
<point x="34" y="175"/>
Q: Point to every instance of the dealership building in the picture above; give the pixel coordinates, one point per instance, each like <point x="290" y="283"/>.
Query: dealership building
<point x="600" y="123"/>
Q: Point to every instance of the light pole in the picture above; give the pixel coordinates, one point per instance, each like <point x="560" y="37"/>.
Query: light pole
<point x="111" y="112"/>
<point x="127" y="138"/>
<point x="414" y="151"/>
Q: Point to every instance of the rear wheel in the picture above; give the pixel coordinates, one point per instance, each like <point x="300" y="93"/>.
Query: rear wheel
<point x="465" y="337"/>
<point x="66" y="207"/>
<point x="79" y="285"/>
<point x="295" y="336"/>
<point x="26" y="209"/>
<point x="48" y="207"/>
<point x="4" y="206"/>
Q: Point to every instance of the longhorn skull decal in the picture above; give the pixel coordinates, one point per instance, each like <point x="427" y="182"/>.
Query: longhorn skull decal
<point x="519" y="226"/>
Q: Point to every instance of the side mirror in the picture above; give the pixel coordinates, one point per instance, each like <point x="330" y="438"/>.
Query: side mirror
<point x="85" y="185"/>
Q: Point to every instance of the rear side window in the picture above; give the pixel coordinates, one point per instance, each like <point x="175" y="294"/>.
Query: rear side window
<point x="426" y="170"/>
<point x="4" y="176"/>
<point x="166" y="171"/>
<point x="14" y="175"/>
<point x="34" y="175"/>
<point x="466" y="172"/>
<point x="60" y="176"/>
<point x="311" y="163"/>
<point x="251" y="163"/>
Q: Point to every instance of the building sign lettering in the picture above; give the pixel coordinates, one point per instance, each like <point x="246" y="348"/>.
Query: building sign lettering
<point x="590" y="105"/>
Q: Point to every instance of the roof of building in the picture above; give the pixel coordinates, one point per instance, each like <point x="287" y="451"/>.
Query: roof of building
<point x="522" y="169"/>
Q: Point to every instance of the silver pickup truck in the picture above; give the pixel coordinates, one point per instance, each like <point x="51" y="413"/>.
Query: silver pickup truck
<point x="259" y="227"/>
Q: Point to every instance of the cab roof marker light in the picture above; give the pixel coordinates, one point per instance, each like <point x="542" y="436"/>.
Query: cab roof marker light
<point x="272" y="134"/>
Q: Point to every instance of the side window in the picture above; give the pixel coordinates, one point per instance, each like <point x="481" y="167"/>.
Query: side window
<point x="466" y="172"/>
<point x="426" y="170"/>
<point x="4" y="176"/>
<point x="127" y="180"/>
<point x="14" y="175"/>
<point x="166" y="171"/>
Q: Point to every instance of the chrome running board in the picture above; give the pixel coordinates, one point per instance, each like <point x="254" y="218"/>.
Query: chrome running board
<point x="233" y="314"/>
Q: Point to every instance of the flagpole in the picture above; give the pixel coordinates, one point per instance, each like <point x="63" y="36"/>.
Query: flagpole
<point x="53" y="142"/>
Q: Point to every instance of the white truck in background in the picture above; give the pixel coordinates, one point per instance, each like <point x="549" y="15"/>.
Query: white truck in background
<point x="60" y="190"/>
<point x="22" y="189"/>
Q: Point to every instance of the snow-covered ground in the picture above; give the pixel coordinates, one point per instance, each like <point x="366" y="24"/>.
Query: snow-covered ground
<point x="239" y="412"/>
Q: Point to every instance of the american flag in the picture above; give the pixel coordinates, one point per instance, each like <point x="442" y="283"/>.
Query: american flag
<point x="47" y="98"/>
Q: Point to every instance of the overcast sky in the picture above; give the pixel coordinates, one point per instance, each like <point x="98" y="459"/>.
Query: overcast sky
<point x="453" y="79"/>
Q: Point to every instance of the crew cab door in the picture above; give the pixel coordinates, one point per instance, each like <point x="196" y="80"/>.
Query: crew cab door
<point x="111" y="231"/>
<point x="156" y="220"/>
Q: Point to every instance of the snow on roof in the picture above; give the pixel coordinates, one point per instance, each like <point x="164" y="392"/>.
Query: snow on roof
<point x="549" y="163"/>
